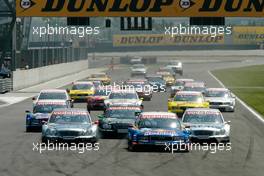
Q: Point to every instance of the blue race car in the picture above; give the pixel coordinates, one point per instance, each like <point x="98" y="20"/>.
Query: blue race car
<point x="41" y="113"/>
<point x="157" y="129"/>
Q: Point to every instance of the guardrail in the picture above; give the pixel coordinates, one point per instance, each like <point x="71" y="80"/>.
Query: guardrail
<point x="5" y="85"/>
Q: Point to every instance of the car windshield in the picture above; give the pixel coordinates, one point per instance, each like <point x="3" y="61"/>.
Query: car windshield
<point x="203" y="118"/>
<point x="46" y="108"/>
<point x="123" y="96"/>
<point x="121" y="114"/>
<point x="216" y="94"/>
<point x="193" y="98"/>
<point x="196" y="89"/>
<point x="155" y="79"/>
<point x="163" y="123"/>
<point x="138" y="66"/>
<point x="82" y="119"/>
<point x="98" y="76"/>
<point x="179" y="83"/>
<point x="82" y="86"/>
<point x="101" y="92"/>
<point x="52" y="96"/>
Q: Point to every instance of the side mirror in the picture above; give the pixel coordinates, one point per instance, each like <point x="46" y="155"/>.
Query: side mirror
<point x="34" y="98"/>
<point x="96" y="122"/>
<point x="101" y="116"/>
<point x="228" y="122"/>
<point x="233" y="95"/>
<point x="68" y="90"/>
<point x="170" y="100"/>
<point x="27" y="111"/>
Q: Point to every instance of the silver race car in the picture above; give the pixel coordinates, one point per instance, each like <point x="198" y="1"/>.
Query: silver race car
<point x="138" y="69"/>
<point x="123" y="98"/>
<point x="69" y="125"/>
<point x="206" y="125"/>
<point x="221" y="98"/>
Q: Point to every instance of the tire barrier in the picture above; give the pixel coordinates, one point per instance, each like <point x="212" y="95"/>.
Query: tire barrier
<point x="5" y="85"/>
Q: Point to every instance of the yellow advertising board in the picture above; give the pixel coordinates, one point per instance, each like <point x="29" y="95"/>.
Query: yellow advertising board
<point x="140" y="8"/>
<point x="165" y="40"/>
<point x="248" y="34"/>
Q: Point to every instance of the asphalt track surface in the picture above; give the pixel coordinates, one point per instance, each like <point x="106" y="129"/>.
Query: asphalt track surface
<point x="245" y="159"/>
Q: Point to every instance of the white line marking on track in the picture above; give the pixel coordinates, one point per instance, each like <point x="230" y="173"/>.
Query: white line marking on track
<point x="256" y="114"/>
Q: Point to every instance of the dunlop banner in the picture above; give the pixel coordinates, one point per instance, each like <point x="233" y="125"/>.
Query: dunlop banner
<point x="165" y="40"/>
<point x="248" y="34"/>
<point x="141" y="8"/>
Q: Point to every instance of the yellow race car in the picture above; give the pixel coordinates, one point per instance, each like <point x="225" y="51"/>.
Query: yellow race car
<point x="81" y="90"/>
<point x="186" y="99"/>
<point x="167" y="77"/>
<point x="103" y="77"/>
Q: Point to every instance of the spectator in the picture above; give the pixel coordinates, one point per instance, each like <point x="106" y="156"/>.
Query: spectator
<point x="4" y="72"/>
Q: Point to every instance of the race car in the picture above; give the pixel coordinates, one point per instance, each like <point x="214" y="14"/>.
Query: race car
<point x="179" y="85"/>
<point x="52" y="94"/>
<point x="81" y="90"/>
<point x="221" y="98"/>
<point x="186" y="99"/>
<point x="142" y="87"/>
<point x="158" y="84"/>
<point x="103" y="77"/>
<point x="41" y="113"/>
<point x="167" y="77"/>
<point x="96" y="101"/>
<point x="136" y="60"/>
<point x="206" y="125"/>
<point x="70" y="125"/>
<point x="176" y="66"/>
<point x="197" y="86"/>
<point x="122" y="98"/>
<point x="117" y="119"/>
<point x="138" y="69"/>
<point x="157" y="129"/>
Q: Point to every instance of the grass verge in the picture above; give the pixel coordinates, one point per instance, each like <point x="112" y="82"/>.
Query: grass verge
<point x="247" y="83"/>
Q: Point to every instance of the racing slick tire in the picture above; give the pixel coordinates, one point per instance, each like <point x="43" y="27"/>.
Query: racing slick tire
<point x="44" y="140"/>
<point x="131" y="147"/>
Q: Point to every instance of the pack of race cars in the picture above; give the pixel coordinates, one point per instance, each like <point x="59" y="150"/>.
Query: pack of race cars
<point x="194" y="111"/>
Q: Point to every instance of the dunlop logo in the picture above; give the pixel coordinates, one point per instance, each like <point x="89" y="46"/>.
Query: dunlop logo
<point x="146" y="8"/>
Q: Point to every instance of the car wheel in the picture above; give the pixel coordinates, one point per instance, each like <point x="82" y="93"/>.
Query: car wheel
<point x="28" y="129"/>
<point x="131" y="147"/>
<point x="44" y="140"/>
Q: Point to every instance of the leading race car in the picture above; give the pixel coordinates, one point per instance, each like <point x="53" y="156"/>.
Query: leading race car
<point x="167" y="77"/>
<point x="179" y="85"/>
<point x="103" y="77"/>
<point x="41" y="113"/>
<point x="81" y="90"/>
<point x="158" y="129"/>
<point x="176" y="66"/>
<point x="117" y="119"/>
<point x="138" y="69"/>
<point x="122" y="98"/>
<point x="186" y="99"/>
<point x="207" y="125"/>
<point x="221" y="98"/>
<point x="69" y="125"/>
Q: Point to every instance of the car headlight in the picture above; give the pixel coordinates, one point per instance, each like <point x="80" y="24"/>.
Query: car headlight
<point x="221" y="132"/>
<point x="51" y="132"/>
<point x="88" y="132"/>
<point x="107" y="126"/>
